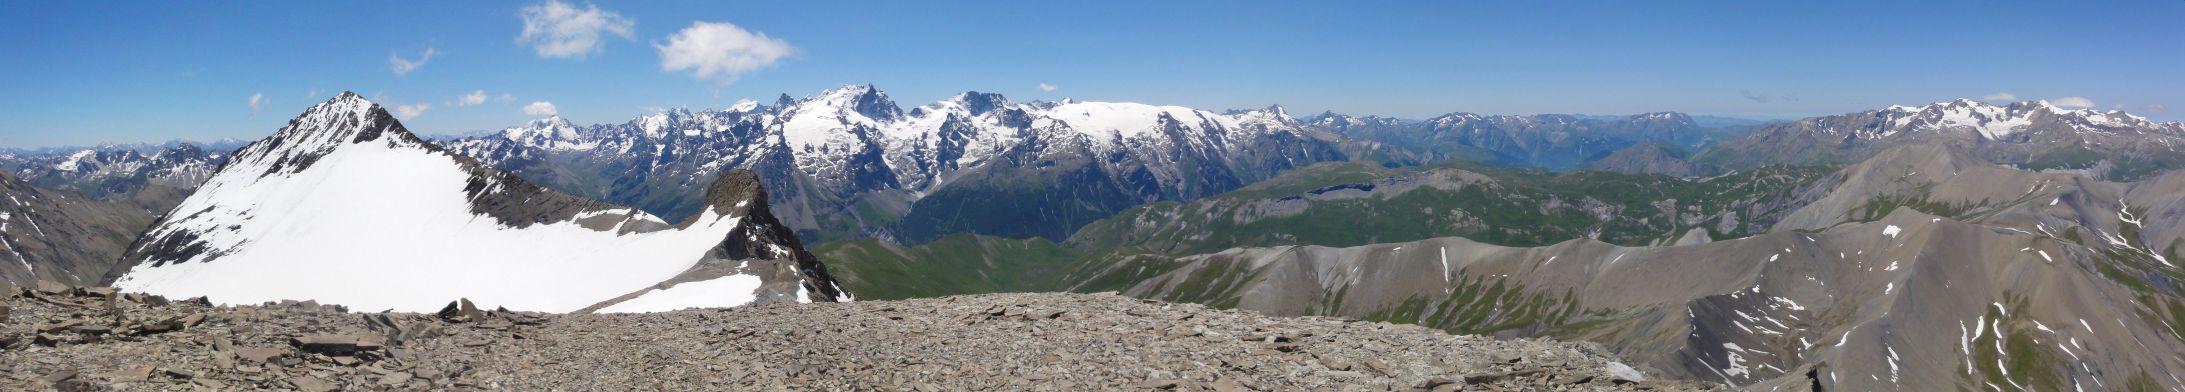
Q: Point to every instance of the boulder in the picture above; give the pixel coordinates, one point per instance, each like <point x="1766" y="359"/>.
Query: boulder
<point x="461" y="311"/>
<point x="338" y="344"/>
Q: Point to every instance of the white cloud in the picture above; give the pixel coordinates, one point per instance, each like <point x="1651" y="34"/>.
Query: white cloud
<point x="473" y="98"/>
<point x="314" y="94"/>
<point x="504" y="97"/>
<point x="2153" y="107"/>
<point x="257" y="103"/>
<point x="720" y="52"/>
<point x="2073" y="102"/>
<point x="559" y="30"/>
<point x="1999" y="97"/>
<point x="412" y="110"/>
<point x="1046" y="87"/>
<point x="402" y="66"/>
<point x="541" y="109"/>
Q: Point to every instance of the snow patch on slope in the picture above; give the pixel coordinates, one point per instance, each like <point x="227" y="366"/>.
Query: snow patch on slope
<point x="732" y="290"/>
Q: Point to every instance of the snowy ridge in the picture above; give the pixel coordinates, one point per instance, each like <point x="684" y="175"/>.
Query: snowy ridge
<point x="346" y="207"/>
<point x="841" y="131"/>
<point x="850" y="163"/>
<point x="2001" y="122"/>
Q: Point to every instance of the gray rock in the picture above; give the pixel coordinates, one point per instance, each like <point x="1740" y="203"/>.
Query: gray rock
<point x="337" y="344"/>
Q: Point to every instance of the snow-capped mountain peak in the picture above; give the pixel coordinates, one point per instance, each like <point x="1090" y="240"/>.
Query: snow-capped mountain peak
<point x="346" y="119"/>
<point x="551" y="126"/>
<point x="744" y="106"/>
<point x="345" y="206"/>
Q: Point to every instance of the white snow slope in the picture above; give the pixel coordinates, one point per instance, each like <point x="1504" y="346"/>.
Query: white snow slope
<point x="381" y="225"/>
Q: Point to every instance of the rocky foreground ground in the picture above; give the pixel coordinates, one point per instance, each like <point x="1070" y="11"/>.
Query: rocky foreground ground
<point x="95" y="339"/>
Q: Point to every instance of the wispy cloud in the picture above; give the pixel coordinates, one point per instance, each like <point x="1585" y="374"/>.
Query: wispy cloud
<point x="473" y="98"/>
<point x="257" y="103"/>
<point x="1046" y="87"/>
<point x="1756" y="97"/>
<point x="720" y="52"/>
<point x="541" y="109"/>
<point x="411" y="111"/>
<point x="2073" y="102"/>
<point x="314" y="94"/>
<point x="2153" y="107"/>
<point x="505" y="97"/>
<point x="1999" y="97"/>
<point x="559" y="30"/>
<point x="402" y="66"/>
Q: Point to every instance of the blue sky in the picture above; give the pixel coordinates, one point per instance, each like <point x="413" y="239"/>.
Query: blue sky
<point x="91" y="72"/>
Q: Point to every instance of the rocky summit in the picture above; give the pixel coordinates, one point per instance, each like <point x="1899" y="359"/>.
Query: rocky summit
<point x="95" y="339"/>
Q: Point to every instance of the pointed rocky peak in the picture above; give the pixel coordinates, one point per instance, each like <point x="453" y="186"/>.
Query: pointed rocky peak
<point x="759" y="246"/>
<point x="736" y="193"/>
<point x="658" y="124"/>
<point x="551" y="127"/>
<point x="184" y="149"/>
<point x="784" y="102"/>
<point x="554" y="121"/>
<point x="864" y="100"/>
<point x="744" y="106"/>
<point x="979" y="103"/>
<point x="345" y="119"/>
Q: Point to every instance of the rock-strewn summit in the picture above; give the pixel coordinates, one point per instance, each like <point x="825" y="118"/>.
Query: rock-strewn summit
<point x="345" y="206"/>
<point x="95" y="339"/>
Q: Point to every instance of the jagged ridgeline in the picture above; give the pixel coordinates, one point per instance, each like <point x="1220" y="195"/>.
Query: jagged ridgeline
<point x="2035" y="135"/>
<point x="345" y="206"/>
<point x="849" y="163"/>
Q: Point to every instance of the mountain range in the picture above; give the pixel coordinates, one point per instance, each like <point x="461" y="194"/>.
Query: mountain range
<point x="851" y="163"/>
<point x="2034" y="134"/>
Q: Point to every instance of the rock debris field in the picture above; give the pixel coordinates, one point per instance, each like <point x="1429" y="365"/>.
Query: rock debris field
<point x="96" y="339"/>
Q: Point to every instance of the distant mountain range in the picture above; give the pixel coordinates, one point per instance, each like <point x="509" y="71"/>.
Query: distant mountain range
<point x="855" y="164"/>
<point x="153" y="176"/>
<point x="2034" y="135"/>
<point x="849" y="162"/>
